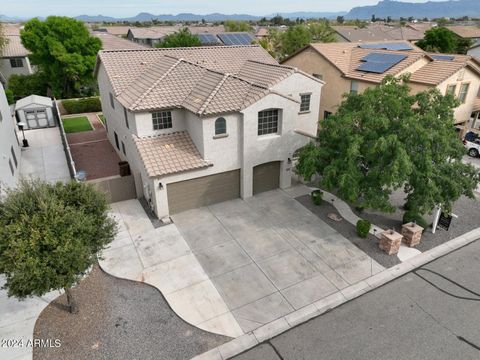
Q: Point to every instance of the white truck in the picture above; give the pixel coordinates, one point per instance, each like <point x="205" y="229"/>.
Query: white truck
<point x="473" y="147"/>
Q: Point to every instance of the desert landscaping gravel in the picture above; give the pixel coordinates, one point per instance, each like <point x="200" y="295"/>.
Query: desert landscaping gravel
<point x="118" y="319"/>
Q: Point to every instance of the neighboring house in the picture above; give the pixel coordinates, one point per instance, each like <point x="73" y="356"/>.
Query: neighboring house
<point x="474" y="50"/>
<point x="112" y="42"/>
<point x="150" y="36"/>
<point x="378" y="32"/>
<point x="206" y="124"/>
<point x="471" y="32"/>
<point x="353" y="67"/>
<point x="9" y="146"/>
<point x="14" y="59"/>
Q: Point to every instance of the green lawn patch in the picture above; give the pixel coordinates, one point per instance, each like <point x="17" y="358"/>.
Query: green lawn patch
<point x="76" y="124"/>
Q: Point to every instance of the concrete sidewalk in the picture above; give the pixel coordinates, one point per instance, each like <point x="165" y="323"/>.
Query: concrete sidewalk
<point x="45" y="158"/>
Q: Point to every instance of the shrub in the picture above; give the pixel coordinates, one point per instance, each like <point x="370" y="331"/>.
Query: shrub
<point x="84" y="105"/>
<point x="359" y="208"/>
<point x="25" y="85"/>
<point x="9" y="95"/>
<point x="316" y="197"/>
<point x="410" y="216"/>
<point x="363" y="227"/>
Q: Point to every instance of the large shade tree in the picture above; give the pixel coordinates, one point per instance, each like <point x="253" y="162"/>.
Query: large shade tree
<point x="443" y="40"/>
<point x="50" y="235"/>
<point x="64" y="51"/>
<point x="181" y="38"/>
<point x="387" y="138"/>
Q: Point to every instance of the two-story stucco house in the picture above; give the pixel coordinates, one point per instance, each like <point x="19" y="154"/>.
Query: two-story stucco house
<point x="9" y="146"/>
<point x="353" y="67"/>
<point x="208" y="124"/>
<point x="14" y="59"/>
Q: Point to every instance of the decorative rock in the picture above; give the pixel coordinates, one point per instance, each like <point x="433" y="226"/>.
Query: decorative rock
<point x="412" y="233"/>
<point x="334" y="217"/>
<point x="390" y="242"/>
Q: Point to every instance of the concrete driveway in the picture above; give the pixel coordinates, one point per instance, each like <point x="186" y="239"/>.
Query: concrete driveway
<point x="268" y="255"/>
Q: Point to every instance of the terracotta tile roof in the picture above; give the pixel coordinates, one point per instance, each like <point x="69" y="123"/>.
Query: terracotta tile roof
<point x="14" y="47"/>
<point x="169" y="154"/>
<point x="158" y="32"/>
<point x="347" y="57"/>
<point x="379" y="32"/>
<point x="112" y="42"/>
<point x="466" y="31"/>
<point x="177" y="83"/>
<point x="11" y="29"/>
<point x="225" y="59"/>
<point x="198" y="82"/>
<point x="117" y="30"/>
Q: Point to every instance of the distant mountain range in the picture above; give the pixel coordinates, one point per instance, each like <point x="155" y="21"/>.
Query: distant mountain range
<point x="385" y="8"/>
<point x="208" y="17"/>
<point x="430" y="9"/>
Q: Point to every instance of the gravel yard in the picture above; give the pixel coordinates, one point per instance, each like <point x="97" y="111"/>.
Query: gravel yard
<point x="119" y="319"/>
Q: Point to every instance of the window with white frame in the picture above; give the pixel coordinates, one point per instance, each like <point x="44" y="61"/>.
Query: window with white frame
<point x="220" y="126"/>
<point x="162" y="120"/>
<point x="462" y="94"/>
<point x="354" y="87"/>
<point x="305" y="102"/>
<point x="268" y="122"/>
<point x="16" y="62"/>
<point x="451" y="89"/>
<point x="112" y="101"/>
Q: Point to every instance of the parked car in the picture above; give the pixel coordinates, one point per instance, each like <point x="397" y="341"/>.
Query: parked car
<point x="473" y="147"/>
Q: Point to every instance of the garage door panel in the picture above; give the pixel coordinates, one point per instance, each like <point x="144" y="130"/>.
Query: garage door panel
<point x="266" y="177"/>
<point x="203" y="191"/>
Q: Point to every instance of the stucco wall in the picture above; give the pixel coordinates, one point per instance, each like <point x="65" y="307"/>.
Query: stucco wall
<point x="7" y="70"/>
<point x="8" y="140"/>
<point x="335" y="85"/>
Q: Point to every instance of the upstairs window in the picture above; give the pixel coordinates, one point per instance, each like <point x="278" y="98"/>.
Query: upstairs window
<point x="318" y="76"/>
<point x="220" y="126"/>
<point x="451" y="89"/>
<point x="305" y="102"/>
<point x="112" y="101"/>
<point x="268" y="122"/>
<point x="126" y="118"/>
<point x="462" y="95"/>
<point x="162" y="120"/>
<point x="354" y="87"/>
<point x="16" y="62"/>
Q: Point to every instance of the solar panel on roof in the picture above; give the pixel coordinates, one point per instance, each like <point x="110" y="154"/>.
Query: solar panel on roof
<point x="443" y="57"/>
<point x="208" y="39"/>
<point x="379" y="62"/>
<point x="387" y="46"/>
<point x="236" y="38"/>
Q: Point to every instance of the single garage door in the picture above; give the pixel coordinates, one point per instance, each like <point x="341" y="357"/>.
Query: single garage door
<point x="207" y="190"/>
<point x="266" y="177"/>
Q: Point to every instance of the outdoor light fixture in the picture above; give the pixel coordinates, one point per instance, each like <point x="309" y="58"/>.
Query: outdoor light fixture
<point x="21" y="126"/>
<point x="160" y="186"/>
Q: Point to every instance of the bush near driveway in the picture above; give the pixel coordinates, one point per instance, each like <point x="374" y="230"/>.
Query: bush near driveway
<point x="410" y="216"/>
<point x="76" y="124"/>
<point x="316" y="197"/>
<point x="363" y="227"/>
<point x="83" y="105"/>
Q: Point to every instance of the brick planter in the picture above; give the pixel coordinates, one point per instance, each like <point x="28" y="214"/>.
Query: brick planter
<point x="390" y="242"/>
<point x="412" y="234"/>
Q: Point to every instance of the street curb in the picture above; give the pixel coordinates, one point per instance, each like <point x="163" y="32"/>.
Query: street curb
<point x="287" y="322"/>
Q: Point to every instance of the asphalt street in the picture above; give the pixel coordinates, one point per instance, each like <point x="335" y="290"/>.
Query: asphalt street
<point x="431" y="313"/>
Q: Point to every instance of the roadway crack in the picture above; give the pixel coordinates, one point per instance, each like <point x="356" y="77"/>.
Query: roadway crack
<point x="275" y="349"/>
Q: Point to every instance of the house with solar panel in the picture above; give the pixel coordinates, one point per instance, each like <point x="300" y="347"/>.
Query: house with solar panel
<point x="353" y="67"/>
<point x="208" y="124"/>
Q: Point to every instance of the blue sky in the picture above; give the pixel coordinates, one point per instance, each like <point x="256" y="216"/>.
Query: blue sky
<point x="126" y="8"/>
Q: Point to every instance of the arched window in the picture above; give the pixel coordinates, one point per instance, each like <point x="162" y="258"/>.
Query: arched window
<point x="220" y="126"/>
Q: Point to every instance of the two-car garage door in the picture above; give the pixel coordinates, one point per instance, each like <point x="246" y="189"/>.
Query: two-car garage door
<point x="203" y="191"/>
<point x="212" y="189"/>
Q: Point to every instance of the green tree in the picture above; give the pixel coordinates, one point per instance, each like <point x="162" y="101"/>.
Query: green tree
<point x="385" y="139"/>
<point x="443" y="40"/>
<point x="322" y="32"/>
<point x="26" y="85"/>
<point x="64" y="51"/>
<point x="240" y="26"/>
<point x="295" y="38"/>
<point x="340" y="19"/>
<point x="50" y="236"/>
<point x="181" y="38"/>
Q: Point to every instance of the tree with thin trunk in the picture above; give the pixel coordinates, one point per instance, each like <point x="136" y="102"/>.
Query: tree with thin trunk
<point x="50" y="236"/>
